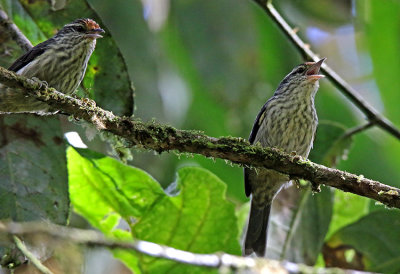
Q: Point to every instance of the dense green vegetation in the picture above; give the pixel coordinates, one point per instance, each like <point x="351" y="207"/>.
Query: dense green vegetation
<point x="209" y="66"/>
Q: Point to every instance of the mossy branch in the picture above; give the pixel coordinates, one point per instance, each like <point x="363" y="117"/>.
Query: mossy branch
<point x="163" y="138"/>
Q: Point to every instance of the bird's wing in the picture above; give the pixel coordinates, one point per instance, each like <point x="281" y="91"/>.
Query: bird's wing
<point x="30" y="56"/>
<point x="257" y="123"/>
<point x="256" y="126"/>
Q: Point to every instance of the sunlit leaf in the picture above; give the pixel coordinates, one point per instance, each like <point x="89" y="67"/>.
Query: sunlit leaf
<point x="193" y="215"/>
<point x="347" y="209"/>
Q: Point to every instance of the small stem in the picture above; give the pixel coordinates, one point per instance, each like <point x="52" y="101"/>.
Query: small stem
<point x="20" y="245"/>
<point x="355" y="130"/>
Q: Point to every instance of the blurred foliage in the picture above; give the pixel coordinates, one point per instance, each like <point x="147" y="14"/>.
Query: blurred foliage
<point x="211" y="65"/>
<point x="295" y="214"/>
<point x="115" y="198"/>
<point x="376" y="243"/>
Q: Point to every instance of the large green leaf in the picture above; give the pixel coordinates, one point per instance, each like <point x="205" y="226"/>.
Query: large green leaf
<point x="33" y="175"/>
<point x="106" y="77"/>
<point x="375" y="237"/>
<point x="193" y="215"/>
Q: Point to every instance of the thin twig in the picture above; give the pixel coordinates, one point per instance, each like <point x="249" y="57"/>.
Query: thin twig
<point x="36" y="263"/>
<point x="166" y="138"/>
<point x="353" y="131"/>
<point x="14" y="31"/>
<point x="371" y="113"/>
<point x="221" y="260"/>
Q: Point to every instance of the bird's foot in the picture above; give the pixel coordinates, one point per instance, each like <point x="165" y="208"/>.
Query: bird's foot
<point x="40" y="82"/>
<point x="88" y="102"/>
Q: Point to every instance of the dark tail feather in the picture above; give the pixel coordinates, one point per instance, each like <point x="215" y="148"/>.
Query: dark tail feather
<point x="15" y="101"/>
<point x="257" y="228"/>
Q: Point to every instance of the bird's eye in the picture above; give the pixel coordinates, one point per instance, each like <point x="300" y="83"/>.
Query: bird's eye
<point x="300" y="70"/>
<point x="79" y="29"/>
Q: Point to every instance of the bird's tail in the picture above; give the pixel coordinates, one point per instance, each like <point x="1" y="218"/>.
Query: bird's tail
<point x="257" y="228"/>
<point x="15" y="101"/>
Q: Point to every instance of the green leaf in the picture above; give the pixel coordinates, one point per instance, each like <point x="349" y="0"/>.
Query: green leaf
<point x="242" y="214"/>
<point x="106" y="77"/>
<point x="376" y="237"/>
<point x="347" y="209"/>
<point x="33" y="175"/>
<point x="114" y="190"/>
<point x="193" y="215"/>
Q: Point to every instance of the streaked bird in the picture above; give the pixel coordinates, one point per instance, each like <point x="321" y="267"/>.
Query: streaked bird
<point x="287" y="121"/>
<point x="60" y="62"/>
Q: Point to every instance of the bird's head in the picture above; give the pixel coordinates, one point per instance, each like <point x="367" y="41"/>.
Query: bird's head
<point x="86" y="29"/>
<point x="304" y="76"/>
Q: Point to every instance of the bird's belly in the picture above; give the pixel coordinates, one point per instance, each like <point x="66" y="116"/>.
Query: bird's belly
<point x="291" y="133"/>
<point x="59" y="71"/>
<point x="297" y="137"/>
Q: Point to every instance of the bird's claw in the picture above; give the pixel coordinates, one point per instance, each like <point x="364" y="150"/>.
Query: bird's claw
<point x="40" y="82"/>
<point x="88" y="102"/>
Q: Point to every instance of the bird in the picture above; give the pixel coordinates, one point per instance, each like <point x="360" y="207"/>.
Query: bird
<point x="287" y="121"/>
<point x="59" y="62"/>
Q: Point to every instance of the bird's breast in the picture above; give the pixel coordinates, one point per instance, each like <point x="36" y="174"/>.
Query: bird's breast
<point x="289" y="126"/>
<point x="62" y="67"/>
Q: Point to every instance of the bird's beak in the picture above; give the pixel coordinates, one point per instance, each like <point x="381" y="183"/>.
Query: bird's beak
<point x="313" y="72"/>
<point x="95" y="33"/>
